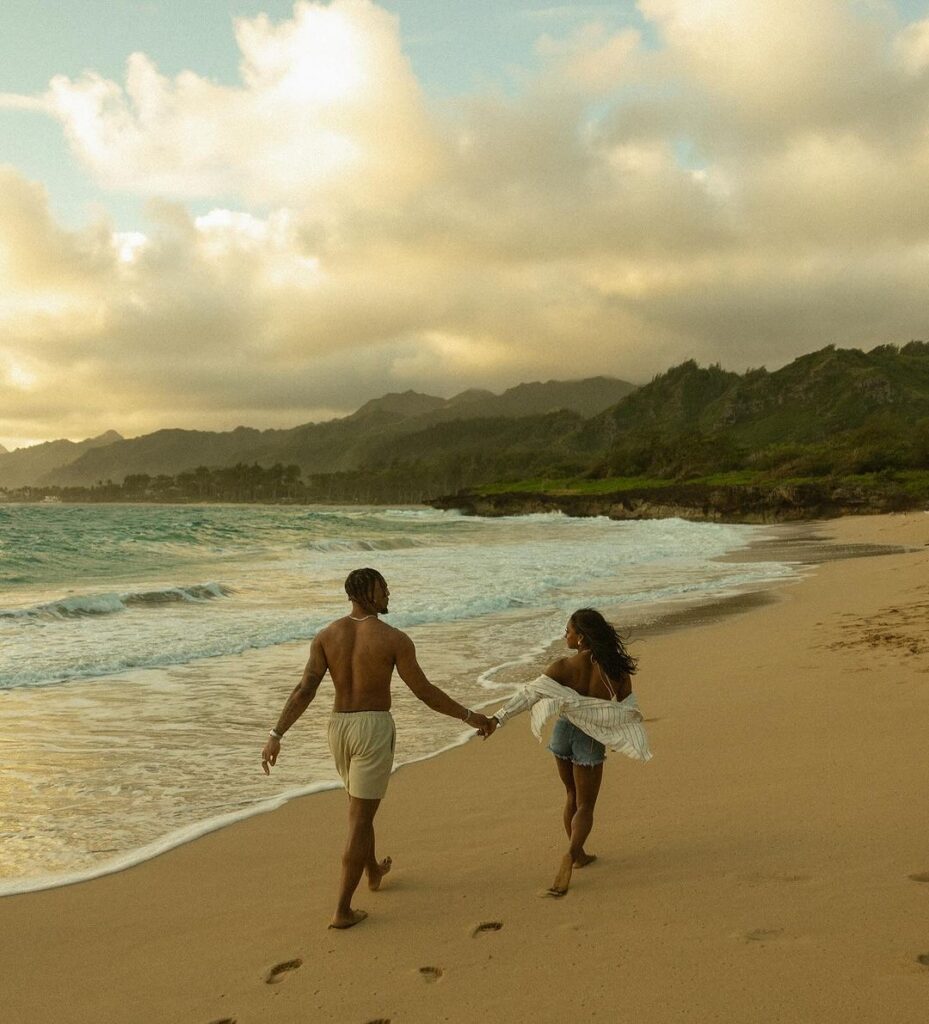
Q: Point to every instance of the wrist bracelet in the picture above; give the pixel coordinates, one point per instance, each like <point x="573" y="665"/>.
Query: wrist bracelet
<point x="277" y="735"/>
<point x="468" y="714"/>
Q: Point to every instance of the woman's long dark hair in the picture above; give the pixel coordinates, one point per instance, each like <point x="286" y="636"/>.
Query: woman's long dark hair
<point x="604" y="643"/>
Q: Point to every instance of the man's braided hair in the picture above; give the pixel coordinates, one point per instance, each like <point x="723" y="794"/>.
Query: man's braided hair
<point x="359" y="585"/>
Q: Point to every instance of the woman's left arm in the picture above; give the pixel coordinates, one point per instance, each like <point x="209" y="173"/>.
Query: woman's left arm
<point x="531" y="693"/>
<point x="521" y="701"/>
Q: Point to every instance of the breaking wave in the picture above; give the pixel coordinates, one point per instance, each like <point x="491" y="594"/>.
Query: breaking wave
<point x="86" y="605"/>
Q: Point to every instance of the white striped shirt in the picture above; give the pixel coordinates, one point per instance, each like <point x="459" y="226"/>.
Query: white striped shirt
<point x="616" y="724"/>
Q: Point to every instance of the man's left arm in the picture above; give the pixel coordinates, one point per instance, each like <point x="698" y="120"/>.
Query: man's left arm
<point x="299" y="700"/>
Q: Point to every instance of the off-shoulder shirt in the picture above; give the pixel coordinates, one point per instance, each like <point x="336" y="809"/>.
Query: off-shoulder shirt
<point x="616" y="724"/>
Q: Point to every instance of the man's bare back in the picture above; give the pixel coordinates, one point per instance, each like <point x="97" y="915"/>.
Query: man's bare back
<point x="361" y="658"/>
<point x="360" y="654"/>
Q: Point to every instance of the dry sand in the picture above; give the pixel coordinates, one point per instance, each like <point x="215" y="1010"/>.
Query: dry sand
<point x="770" y="864"/>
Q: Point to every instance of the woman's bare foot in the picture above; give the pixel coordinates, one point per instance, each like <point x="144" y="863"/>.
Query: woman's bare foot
<point x="348" y="920"/>
<point x="584" y="859"/>
<point x="376" y="874"/>
<point x="563" y="879"/>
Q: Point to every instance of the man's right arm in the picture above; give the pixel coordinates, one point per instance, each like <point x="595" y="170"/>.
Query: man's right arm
<point x="299" y="700"/>
<point x="414" y="677"/>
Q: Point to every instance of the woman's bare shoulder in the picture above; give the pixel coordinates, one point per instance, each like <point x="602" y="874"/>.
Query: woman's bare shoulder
<point x="562" y="671"/>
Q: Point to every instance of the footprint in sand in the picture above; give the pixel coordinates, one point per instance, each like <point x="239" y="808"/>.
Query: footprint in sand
<point x="431" y="973"/>
<point x="224" y="1020"/>
<point x="922" y="876"/>
<point x="487" y="926"/>
<point x="279" y="972"/>
<point x="380" y="1020"/>
<point x="923" y="959"/>
<point x="763" y="934"/>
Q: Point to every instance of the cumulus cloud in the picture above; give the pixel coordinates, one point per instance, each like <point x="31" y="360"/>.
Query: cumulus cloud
<point x="592" y="59"/>
<point x="746" y="185"/>
<point x="325" y="98"/>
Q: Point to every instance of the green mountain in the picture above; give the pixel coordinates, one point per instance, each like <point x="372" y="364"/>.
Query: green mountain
<point x="585" y="397"/>
<point x="838" y="408"/>
<point x="375" y="432"/>
<point x="807" y="400"/>
<point x="835" y="429"/>
<point x="832" y="414"/>
<point x="403" y="404"/>
<point x="26" y="466"/>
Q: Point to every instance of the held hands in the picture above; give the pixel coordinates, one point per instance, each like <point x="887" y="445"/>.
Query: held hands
<point x="485" y="726"/>
<point x="269" y="754"/>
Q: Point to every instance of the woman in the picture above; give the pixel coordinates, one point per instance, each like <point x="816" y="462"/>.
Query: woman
<point x="591" y="692"/>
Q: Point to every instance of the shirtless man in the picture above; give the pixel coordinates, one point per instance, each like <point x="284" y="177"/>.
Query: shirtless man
<point x="360" y="653"/>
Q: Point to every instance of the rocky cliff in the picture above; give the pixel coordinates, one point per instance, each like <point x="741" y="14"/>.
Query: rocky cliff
<point x="778" y="503"/>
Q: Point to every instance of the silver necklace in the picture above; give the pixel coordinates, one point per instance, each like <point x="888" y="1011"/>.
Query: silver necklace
<point x="355" y="618"/>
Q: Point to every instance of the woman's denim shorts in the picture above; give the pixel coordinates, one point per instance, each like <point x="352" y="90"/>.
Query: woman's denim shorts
<point x="571" y="744"/>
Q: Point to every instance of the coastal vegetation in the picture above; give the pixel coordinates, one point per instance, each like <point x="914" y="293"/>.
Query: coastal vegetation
<point x="835" y="430"/>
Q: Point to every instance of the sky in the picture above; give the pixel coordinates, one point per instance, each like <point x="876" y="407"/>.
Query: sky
<point x="266" y="213"/>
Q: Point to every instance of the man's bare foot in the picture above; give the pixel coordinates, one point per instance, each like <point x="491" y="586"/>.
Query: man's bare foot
<point x="584" y="859"/>
<point x="563" y="879"/>
<point x="348" y="920"/>
<point x="375" y="875"/>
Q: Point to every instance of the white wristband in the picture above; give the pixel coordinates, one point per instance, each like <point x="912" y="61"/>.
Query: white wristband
<point x="277" y="735"/>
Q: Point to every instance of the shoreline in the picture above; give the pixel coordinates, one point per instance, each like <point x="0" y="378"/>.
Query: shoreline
<point x="768" y="864"/>
<point x="101" y="770"/>
<point x="807" y="548"/>
<point x="809" y="501"/>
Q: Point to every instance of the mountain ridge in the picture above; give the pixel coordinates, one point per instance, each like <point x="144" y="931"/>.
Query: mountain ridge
<point x="834" y="415"/>
<point x="23" y="466"/>
<point x="338" y="445"/>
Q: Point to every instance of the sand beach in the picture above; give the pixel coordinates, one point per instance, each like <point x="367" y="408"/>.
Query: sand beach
<point x="771" y="863"/>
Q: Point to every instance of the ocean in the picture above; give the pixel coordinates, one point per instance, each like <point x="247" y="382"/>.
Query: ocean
<point x="146" y="650"/>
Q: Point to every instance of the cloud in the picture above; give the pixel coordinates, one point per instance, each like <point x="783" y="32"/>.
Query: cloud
<point x="728" y="191"/>
<point x="36" y="253"/>
<point x="912" y="47"/>
<point x="592" y="59"/>
<point x="13" y="101"/>
<point x="327" y="104"/>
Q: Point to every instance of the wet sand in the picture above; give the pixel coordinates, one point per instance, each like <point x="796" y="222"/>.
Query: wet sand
<point x="770" y="864"/>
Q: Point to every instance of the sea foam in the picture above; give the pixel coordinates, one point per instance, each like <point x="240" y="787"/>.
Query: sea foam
<point x="84" y="605"/>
